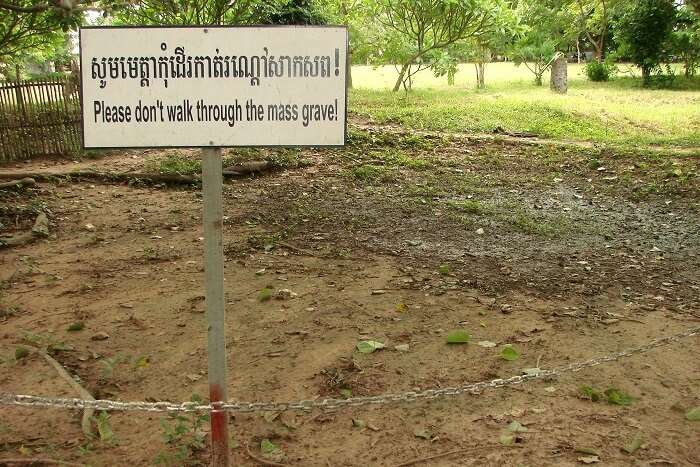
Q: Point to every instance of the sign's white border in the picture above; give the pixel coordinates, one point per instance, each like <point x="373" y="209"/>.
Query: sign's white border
<point x="82" y="70"/>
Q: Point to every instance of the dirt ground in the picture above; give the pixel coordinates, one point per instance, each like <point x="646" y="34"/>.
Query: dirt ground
<point x="566" y="253"/>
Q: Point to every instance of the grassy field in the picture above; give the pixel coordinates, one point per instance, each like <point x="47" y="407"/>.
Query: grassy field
<point x="619" y="111"/>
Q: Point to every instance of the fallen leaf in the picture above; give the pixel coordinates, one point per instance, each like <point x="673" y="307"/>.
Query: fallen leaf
<point x="76" y="327"/>
<point x="423" y="433"/>
<point x="693" y="414"/>
<point x="633" y="445"/>
<point x="509" y="353"/>
<point x="516" y="427"/>
<point x="357" y="423"/>
<point x="21" y="352"/>
<point x="265" y="294"/>
<point x="506" y="439"/>
<point x="585" y="450"/>
<point x="369" y="346"/>
<point x="458" y="337"/>
<point x="589" y="459"/>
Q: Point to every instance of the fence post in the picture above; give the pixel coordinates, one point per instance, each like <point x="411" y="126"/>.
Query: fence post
<point x="212" y="185"/>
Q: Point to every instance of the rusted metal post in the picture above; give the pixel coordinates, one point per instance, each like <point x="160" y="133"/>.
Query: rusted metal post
<point x="212" y="183"/>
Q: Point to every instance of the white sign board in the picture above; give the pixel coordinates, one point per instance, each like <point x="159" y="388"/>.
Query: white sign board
<point x="213" y="86"/>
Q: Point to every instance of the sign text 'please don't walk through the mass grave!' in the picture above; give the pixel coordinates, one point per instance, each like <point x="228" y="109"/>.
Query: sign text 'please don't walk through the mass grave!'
<point x="213" y="86"/>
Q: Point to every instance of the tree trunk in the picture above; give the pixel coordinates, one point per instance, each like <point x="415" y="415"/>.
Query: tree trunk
<point x="646" y="75"/>
<point x="480" y="71"/>
<point x="399" y="80"/>
<point x="558" y="79"/>
<point x="578" y="51"/>
<point x="349" y="70"/>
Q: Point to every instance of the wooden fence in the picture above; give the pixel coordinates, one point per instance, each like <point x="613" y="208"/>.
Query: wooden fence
<point x="38" y="118"/>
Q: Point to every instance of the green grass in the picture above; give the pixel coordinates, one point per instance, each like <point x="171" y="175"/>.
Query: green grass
<point x="619" y="111"/>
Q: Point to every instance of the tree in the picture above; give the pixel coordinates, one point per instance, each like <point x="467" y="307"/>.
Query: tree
<point x="183" y="12"/>
<point x="593" y="21"/>
<point x="28" y="26"/>
<point x="694" y="4"/>
<point x="355" y="14"/>
<point x="544" y="33"/>
<point x="417" y="30"/>
<point x="297" y="12"/>
<point x="685" y="39"/>
<point x="643" y="31"/>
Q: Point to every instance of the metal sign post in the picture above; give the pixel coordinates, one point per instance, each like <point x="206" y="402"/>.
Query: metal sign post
<point x="212" y="183"/>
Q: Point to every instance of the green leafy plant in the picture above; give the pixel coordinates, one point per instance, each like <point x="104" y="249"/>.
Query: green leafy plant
<point x="184" y="438"/>
<point x="612" y="395"/>
<point x="591" y="393"/>
<point x="47" y="342"/>
<point x="600" y="71"/>
<point x="108" y="365"/>
<point x="616" y="397"/>
<point x="104" y="427"/>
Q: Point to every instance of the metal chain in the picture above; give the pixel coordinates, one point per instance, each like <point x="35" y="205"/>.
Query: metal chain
<point x="308" y="404"/>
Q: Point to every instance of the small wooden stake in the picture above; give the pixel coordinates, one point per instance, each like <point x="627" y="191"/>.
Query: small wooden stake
<point x="212" y="182"/>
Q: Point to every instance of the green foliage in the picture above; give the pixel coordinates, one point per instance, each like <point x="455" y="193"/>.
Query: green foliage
<point x="591" y="393"/>
<point x="616" y="397"/>
<point x="415" y="32"/>
<point x="37" y="32"/>
<point x="600" y="71"/>
<point x="46" y="342"/>
<point x="644" y="31"/>
<point x="176" y="164"/>
<point x="184" y="12"/>
<point x="544" y="31"/>
<point x="612" y="395"/>
<point x="104" y="427"/>
<point x="297" y="12"/>
<point x="685" y="39"/>
<point x="184" y="437"/>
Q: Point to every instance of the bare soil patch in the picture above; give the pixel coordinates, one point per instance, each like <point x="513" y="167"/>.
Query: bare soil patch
<point x="566" y="253"/>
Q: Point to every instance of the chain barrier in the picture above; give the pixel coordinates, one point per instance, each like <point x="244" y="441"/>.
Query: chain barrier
<point x="308" y="404"/>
